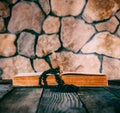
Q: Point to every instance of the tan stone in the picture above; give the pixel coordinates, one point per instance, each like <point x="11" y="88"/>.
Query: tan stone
<point x="47" y="44"/>
<point x="7" y="47"/>
<point x="109" y="25"/>
<point x="15" y="65"/>
<point x="97" y="10"/>
<point x="41" y="65"/>
<point x="75" y="62"/>
<point x="67" y="7"/>
<point x="118" y="15"/>
<point x="26" y="43"/>
<point x="51" y="25"/>
<point x="26" y="15"/>
<point x="45" y="6"/>
<point x="112" y="68"/>
<point x="118" y="31"/>
<point x="104" y="43"/>
<point x="2" y="26"/>
<point x="75" y="33"/>
<point x="4" y="10"/>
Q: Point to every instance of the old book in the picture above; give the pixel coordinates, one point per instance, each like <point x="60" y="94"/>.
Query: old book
<point x="26" y="79"/>
<point x="77" y="79"/>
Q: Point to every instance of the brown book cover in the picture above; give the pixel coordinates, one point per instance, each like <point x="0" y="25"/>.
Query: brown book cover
<point x="77" y="79"/>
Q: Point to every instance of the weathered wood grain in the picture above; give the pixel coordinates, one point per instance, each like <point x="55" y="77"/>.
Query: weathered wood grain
<point x="21" y="100"/>
<point x="56" y="100"/>
<point x="99" y="100"/>
<point x="4" y="89"/>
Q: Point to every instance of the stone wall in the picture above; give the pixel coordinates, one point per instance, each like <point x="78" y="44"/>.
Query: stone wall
<point x="82" y="35"/>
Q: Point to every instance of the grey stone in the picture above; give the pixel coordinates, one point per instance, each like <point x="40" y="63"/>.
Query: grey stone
<point x="75" y="62"/>
<point x="26" y="15"/>
<point x="41" y="65"/>
<point x="47" y="44"/>
<point x="26" y="43"/>
<point x="118" y="31"/>
<point x="104" y="43"/>
<point x="75" y="33"/>
<point x="118" y="15"/>
<point x="109" y="25"/>
<point x="4" y="10"/>
<point x="67" y="7"/>
<point x="14" y="65"/>
<point x="7" y="46"/>
<point x="51" y="25"/>
<point x="45" y="5"/>
<point x="98" y="10"/>
<point x="111" y="67"/>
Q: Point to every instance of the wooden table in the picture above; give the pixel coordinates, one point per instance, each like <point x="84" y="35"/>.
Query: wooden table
<point x="62" y="99"/>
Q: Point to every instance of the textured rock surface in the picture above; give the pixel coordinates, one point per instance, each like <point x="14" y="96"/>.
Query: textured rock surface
<point x="4" y="10"/>
<point x="26" y="15"/>
<point x="118" y="31"/>
<point x="109" y="25"/>
<point x="104" y="43"/>
<point x="15" y="65"/>
<point x="41" y="65"/>
<point x="69" y="32"/>
<point x="118" y="15"/>
<point x="75" y="33"/>
<point x="76" y="62"/>
<point x="51" y="25"/>
<point x="67" y="7"/>
<point x="2" y="26"/>
<point x="97" y="10"/>
<point x="7" y="47"/>
<point x="111" y="67"/>
<point x="47" y="44"/>
<point x="26" y="43"/>
<point x="45" y="6"/>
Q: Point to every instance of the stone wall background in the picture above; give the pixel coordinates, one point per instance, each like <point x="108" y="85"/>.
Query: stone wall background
<point x="82" y="35"/>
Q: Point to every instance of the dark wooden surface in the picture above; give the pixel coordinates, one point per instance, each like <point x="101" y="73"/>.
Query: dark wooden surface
<point x="4" y="89"/>
<point x="63" y="99"/>
<point x="58" y="100"/>
<point x="99" y="100"/>
<point x="21" y="100"/>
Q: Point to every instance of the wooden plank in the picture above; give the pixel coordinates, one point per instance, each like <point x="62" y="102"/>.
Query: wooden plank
<point x="4" y="89"/>
<point x="21" y="100"/>
<point x="99" y="100"/>
<point x="76" y="79"/>
<point x="60" y="100"/>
